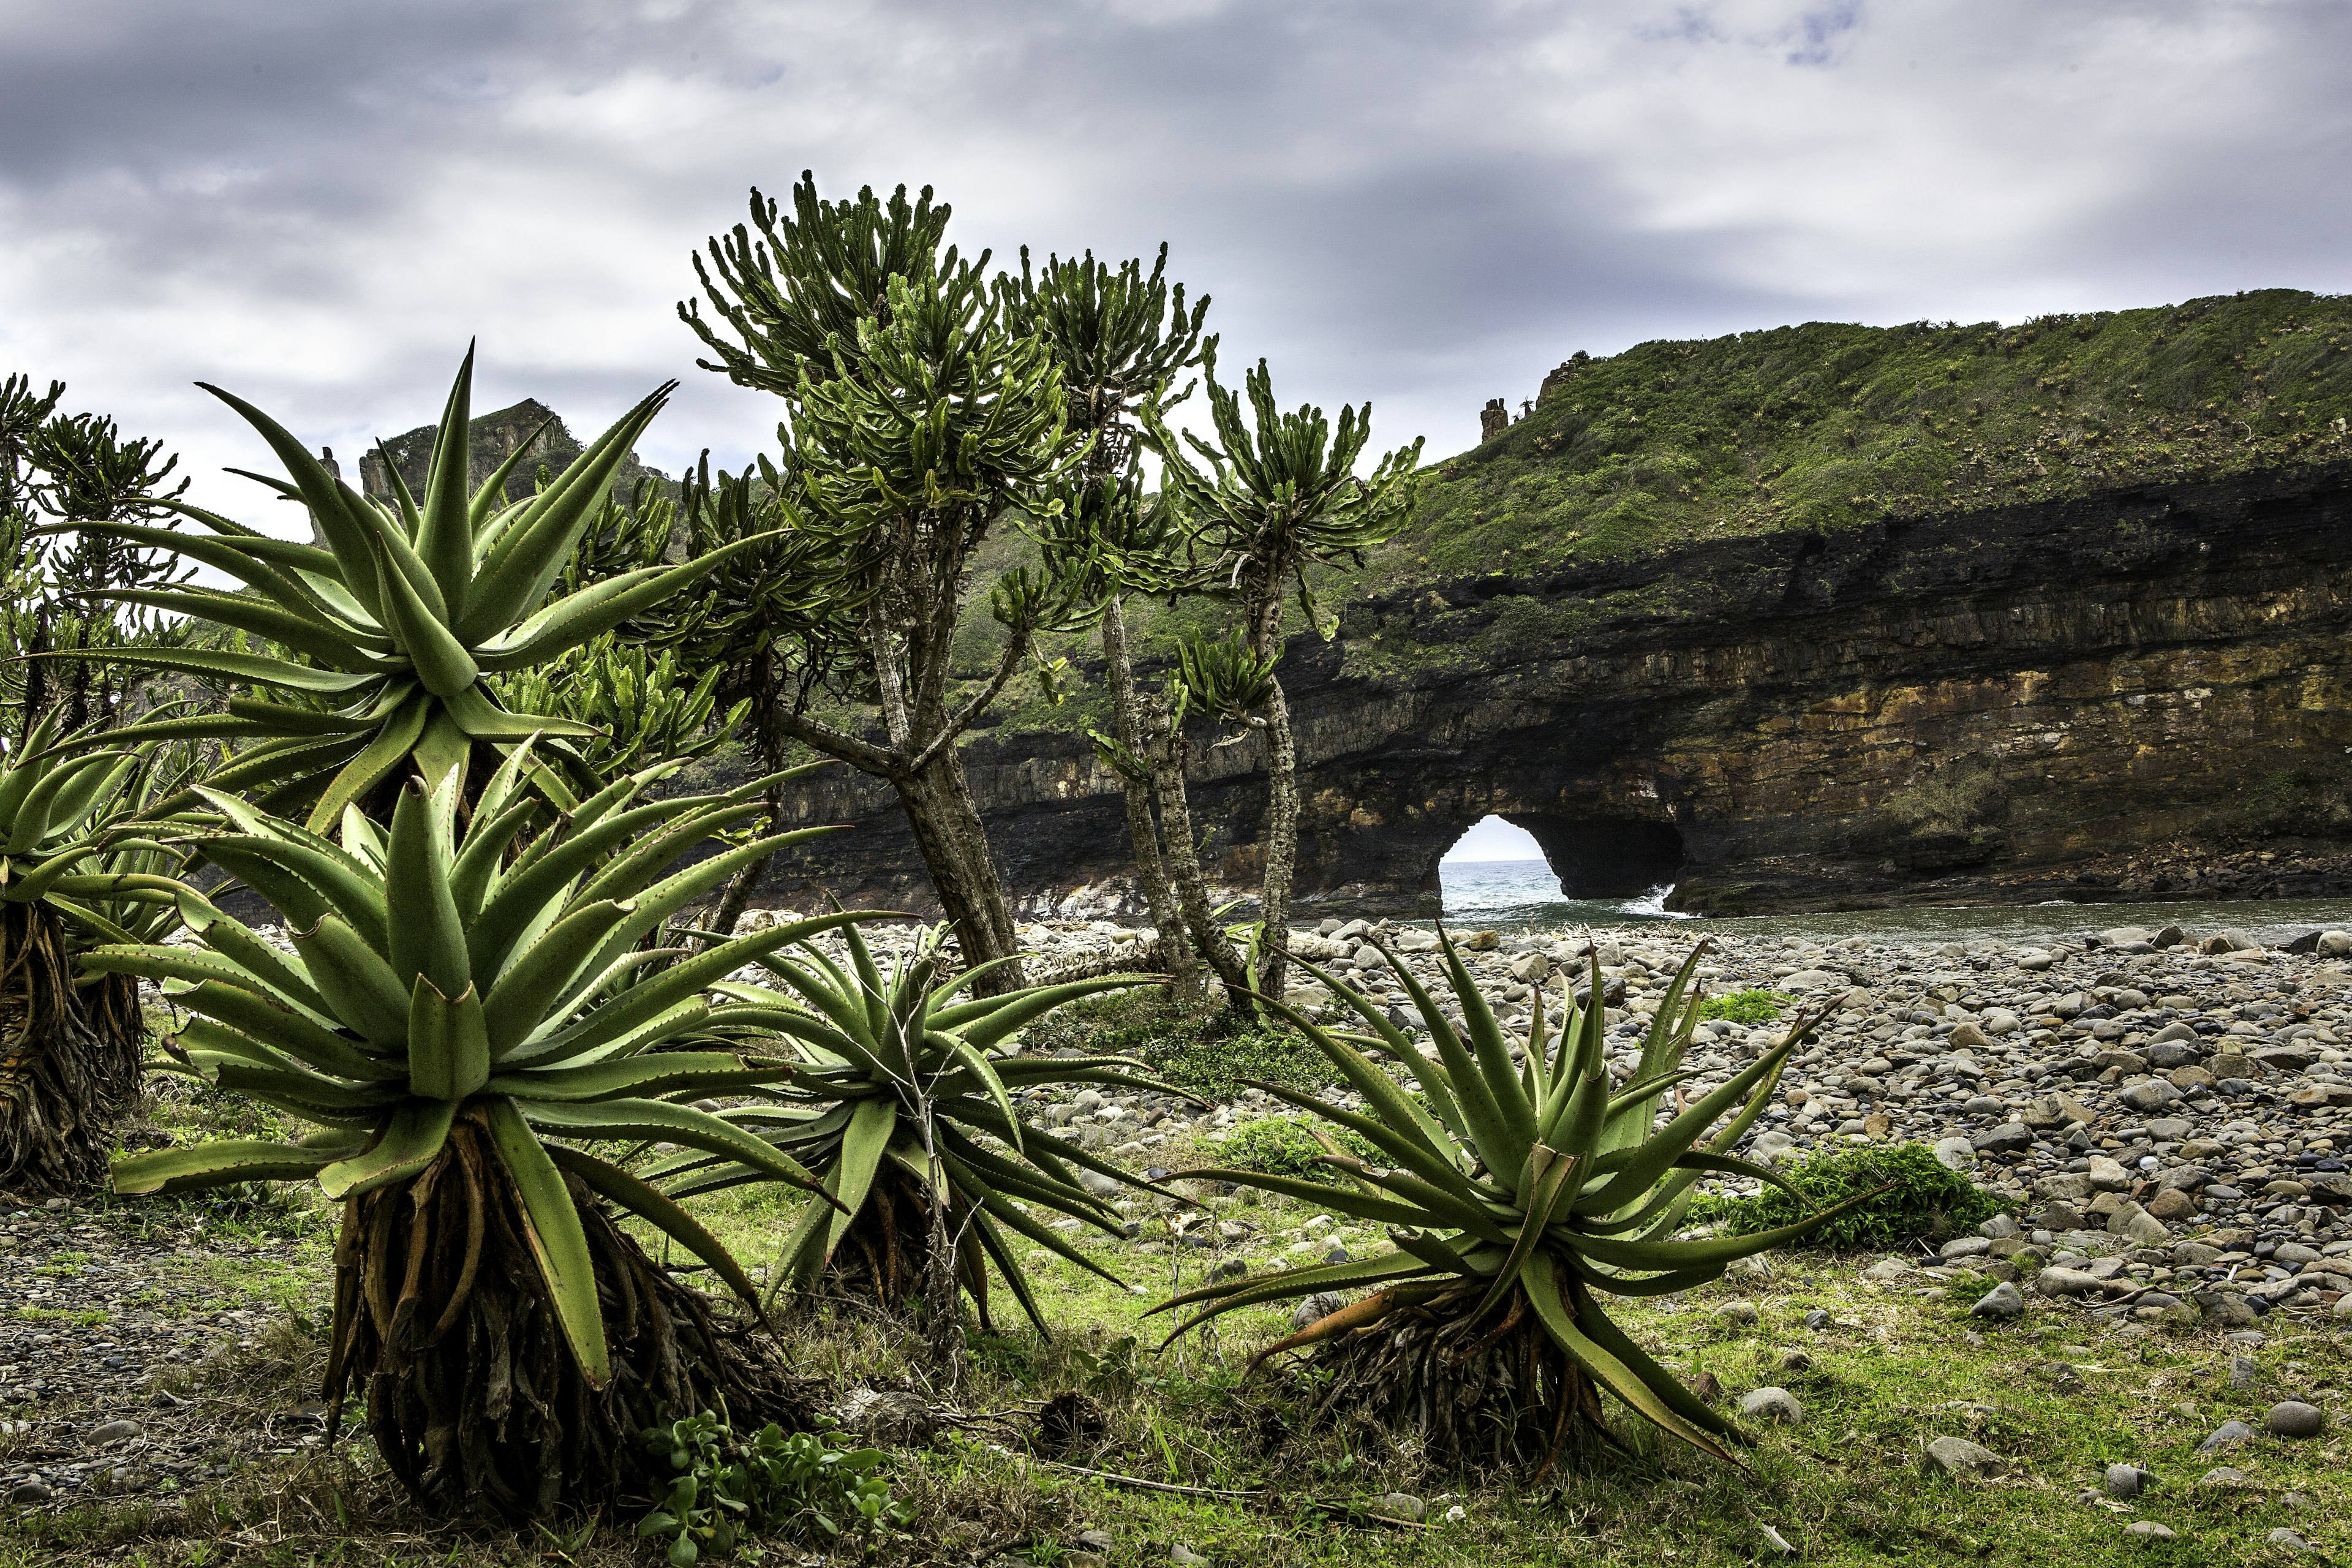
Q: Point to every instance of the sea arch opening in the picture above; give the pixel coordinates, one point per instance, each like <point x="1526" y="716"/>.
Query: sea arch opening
<point x="1494" y="867"/>
<point x="1516" y="860"/>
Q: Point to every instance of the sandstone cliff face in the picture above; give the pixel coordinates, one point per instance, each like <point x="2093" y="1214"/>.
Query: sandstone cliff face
<point x="2141" y="692"/>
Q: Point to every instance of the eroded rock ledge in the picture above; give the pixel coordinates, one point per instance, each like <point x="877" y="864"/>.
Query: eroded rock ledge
<point x="2138" y="693"/>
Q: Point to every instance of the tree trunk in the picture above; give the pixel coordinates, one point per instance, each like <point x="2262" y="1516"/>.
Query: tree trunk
<point x="66" y="1075"/>
<point x="1281" y="842"/>
<point x="746" y="881"/>
<point x="1170" y="754"/>
<point x="1150" y="874"/>
<point x="942" y="1290"/>
<point x="947" y="831"/>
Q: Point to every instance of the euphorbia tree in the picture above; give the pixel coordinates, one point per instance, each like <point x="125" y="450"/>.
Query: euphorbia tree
<point x="1281" y="494"/>
<point x="918" y="421"/>
<point x="1121" y="339"/>
<point x="59" y="469"/>
<point x="457" y="1002"/>
<point x="404" y="617"/>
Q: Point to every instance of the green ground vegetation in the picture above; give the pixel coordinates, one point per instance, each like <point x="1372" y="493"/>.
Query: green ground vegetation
<point x="1212" y="1055"/>
<point x="2059" y="1395"/>
<point x="1744" y="1006"/>
<point x="1285" y="1146"/>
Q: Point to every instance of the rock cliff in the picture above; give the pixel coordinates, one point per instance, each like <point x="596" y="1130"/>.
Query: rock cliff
<point x="491" y="439"/>
<point x="2137" y="692"/>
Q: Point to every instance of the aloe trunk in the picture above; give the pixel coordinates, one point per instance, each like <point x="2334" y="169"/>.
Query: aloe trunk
<point x="474" y="1398"/>
<point x="1151" y="872"/>
<point x="68" y="1058"/>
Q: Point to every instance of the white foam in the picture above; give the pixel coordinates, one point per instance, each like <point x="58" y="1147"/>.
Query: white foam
<point x="1652" y="905"/>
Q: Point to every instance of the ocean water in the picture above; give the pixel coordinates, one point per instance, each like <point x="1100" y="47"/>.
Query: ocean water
<point x="1515" y="896"/>
<point x="1524" y="894"/>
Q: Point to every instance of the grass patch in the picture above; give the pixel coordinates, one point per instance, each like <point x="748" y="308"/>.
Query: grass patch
<point x="1744" y="1006"/>
<point x="1921" y="1201"/>
<point x="84" y="1317"/>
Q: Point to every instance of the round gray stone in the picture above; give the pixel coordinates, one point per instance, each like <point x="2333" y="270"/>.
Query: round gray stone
<point x="2293" y="1418"/>
<point x="1958" y="1456"/>
<point x="2224" y="1436"/>
<point x="1772" y="1405"/>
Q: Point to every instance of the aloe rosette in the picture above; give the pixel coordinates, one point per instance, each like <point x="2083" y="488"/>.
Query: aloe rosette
<point x="881" y="1057"/>
<point x="460" y="1012"/>
<point x="392" y="631"/>
<point x="1523" y="1183"/>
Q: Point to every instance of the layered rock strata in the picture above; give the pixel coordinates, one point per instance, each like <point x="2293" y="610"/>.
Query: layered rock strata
<point x="2137" y="694"/>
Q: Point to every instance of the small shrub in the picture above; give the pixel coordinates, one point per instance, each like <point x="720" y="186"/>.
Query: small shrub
<point x="812" y="1485"/>
<point x="1282" y="1146"/>
<point x="1744" y="1007"/>
<point x="1215" y="1064"/>
<point x="1923" y="1200"/>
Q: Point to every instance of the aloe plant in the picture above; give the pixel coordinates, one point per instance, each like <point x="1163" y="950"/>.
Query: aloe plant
<point x="460" y="1012"/>
<point x="72" y="1058"/>
<point x="395" y="628"/>
<point x="902" y="1105"/>
<point x="1523" y="1183"/>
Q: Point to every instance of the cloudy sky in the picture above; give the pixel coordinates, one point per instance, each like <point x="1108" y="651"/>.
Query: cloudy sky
<point x="316" y="203"/>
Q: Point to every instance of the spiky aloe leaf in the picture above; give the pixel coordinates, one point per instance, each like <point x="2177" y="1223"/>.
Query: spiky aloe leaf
<point x="411" y="1138"/>
<point x="166" y="1172"/>
<point x="557" y="1242"/>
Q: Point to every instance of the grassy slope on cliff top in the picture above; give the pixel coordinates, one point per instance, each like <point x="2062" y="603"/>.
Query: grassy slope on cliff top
<point x="1826" y="425"/>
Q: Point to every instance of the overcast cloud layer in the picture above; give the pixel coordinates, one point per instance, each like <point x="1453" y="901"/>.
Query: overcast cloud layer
<point x="1427" y="205"/>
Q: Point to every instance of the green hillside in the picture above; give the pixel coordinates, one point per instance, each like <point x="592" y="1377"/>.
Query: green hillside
<point x="1825" y="425"/>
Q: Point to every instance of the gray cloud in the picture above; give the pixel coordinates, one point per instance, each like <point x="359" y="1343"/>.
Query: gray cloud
<point x="1427" y="205"/>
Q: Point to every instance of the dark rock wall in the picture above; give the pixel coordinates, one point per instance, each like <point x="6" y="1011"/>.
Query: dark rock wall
<point x="2096" y="698"/>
